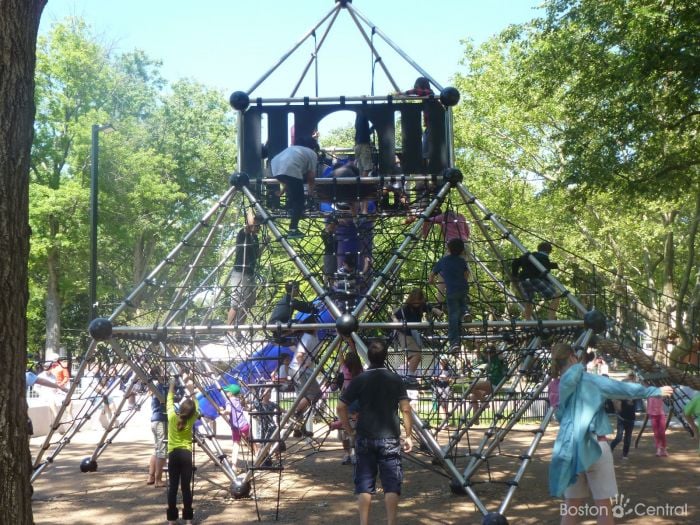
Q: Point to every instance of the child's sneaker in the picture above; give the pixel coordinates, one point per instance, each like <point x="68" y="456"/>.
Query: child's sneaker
<point x="663" y="452"/>
<point x="347" y="460"/>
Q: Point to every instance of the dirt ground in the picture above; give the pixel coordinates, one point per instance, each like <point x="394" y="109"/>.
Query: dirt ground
<point x="316" y="489"/>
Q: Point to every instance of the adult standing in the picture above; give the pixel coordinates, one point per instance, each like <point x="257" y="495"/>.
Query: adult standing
<point x="159" y="428"/>
<point x="380" y="394"/>
<point x="582" y="463"/>
<point x="292" y="167"/>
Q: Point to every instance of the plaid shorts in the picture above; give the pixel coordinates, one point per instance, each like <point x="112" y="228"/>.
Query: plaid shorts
<point x="378" y="456"/>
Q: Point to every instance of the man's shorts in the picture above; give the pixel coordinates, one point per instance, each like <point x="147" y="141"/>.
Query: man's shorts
<point x="243" y="292"/>
<point x="599" y="480"/>
<point x="363" y="157"/>
<point x="378" y="455"/>
<point x="160" y="430"/>
<point x="533" y="286"/>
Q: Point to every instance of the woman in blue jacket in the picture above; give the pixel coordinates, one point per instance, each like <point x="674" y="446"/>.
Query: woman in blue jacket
<point x="582" y="463"/>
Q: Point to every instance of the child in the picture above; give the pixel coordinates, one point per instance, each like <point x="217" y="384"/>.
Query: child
<point x="330" y="261"/>
<point x="346" y="282"/>
<point x="180" y="453"/>
<point x="493" y="370"/>
<point x="293" y="167"/>
<point x="411" y="311"/>
<point x="692" y="412"/>
<point x="443" y="389"/>
<point x="655" y="410"/>
<point x="235" y="412"/>
<point x="421" y="88"/>
<point x="351" y="368"/>
<point x="455" y="273"/>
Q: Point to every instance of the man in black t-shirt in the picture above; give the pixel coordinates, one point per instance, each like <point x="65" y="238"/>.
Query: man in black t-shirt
<point x="380" y="394"/>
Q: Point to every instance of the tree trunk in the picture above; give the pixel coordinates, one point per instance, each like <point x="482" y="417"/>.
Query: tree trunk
<point x="19" y="24"/>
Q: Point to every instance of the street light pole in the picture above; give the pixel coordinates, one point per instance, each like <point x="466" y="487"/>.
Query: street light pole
<point x="94" y="192"/>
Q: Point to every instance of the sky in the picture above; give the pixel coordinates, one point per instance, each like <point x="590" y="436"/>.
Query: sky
<point x="231" y="45"/>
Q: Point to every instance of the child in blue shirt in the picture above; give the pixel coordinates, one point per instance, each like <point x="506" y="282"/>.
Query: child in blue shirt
<point x="455" y="273"/>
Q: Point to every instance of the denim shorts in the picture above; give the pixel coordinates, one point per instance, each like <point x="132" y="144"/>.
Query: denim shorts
<point x="378" y="455"/>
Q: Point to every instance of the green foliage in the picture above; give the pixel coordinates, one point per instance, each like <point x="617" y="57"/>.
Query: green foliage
<point x="577" y="132"/>
<point x="166" y="160"/>
<point x="626" y="74"/>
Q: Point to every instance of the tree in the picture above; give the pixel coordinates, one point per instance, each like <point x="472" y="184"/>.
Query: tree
<point x="168" y="158"/>
<point x="74" y="84"/>
<point x="552" y="100"/>
<point x="19" y="24"/>
<point x="627" y="75"/>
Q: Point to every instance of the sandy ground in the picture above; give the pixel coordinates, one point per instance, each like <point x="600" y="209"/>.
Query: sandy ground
<point x="316" y="489"/>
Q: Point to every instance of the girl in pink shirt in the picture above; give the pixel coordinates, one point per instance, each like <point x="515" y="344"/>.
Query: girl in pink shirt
<point x="655" y="410"/>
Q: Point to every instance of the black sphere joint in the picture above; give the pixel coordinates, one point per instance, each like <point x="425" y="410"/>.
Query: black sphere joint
<point x="449" y="96"/>
<point x="240" y="489"/>
<point x="238" y="180"/>
<point x="595" y="320"/>
<point x="346" y="324"/>
<point x="100" y="329"/>
<point x="457" y="488"/>
<point x="88" y="465"/>
<point x="239" y="100"/>
<point x="494" y="518"/>
<point x="343" y="3"/>
<point x="453" y="175"/>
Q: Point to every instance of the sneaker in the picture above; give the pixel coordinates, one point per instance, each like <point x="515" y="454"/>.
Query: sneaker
<point x="347" y="460"/>
<point x="295" y="234"/>
<point x="625" y="457"/>
<point x="658" y="452"/>
<point x="663" y="453"/>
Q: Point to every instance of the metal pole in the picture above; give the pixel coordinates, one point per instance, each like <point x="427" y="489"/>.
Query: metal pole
<point x="94" y="154"/>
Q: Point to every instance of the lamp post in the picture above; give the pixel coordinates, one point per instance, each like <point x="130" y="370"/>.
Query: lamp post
<point x="94" y="192"/>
